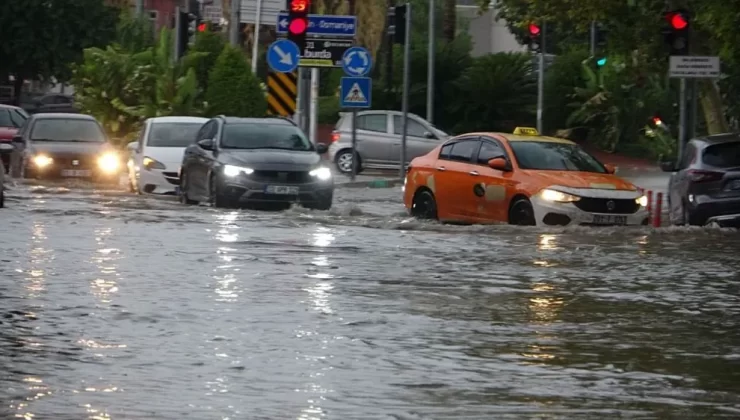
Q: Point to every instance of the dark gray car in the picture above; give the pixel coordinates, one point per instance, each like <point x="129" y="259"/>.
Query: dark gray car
<point x="67" y="146"/>
<point x="705" y="184"/>
<point x="5" y="148"/>
<point x="253" y="161"/>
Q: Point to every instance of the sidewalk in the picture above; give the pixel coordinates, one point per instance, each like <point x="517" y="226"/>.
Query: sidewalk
<point x="379" y="180"/>
<point x="624" y="162"/>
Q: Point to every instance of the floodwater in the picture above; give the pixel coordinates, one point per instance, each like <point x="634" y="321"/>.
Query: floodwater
<point x="114" y="306"/>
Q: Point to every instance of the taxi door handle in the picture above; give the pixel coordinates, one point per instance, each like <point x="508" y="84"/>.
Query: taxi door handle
<point x="441" y="168"/>
<point x="474" y="173"/>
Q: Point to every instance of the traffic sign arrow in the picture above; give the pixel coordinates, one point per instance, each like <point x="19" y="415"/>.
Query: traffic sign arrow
<point x="285" y="58"/>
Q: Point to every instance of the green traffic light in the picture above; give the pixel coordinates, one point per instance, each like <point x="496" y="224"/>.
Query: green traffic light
<point x="601" y="62"/>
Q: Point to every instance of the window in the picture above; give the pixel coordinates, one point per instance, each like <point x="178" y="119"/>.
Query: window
<point x="18" y="117"/>
<point x="415" y="128"/>
<point x="445" y="152"/>
<point x="373" y="122"/>
<point x="205" y="131"/>
<point x="61" y="129"/>
<point x="551" y="156"/>
<point x="265" y="136"/>
<point x="725" y="155"/>
<point x="172" y="134"/>
<point x="5" y="120"/>
<point x="489" y="151"/>
<point x="462" y="151"/>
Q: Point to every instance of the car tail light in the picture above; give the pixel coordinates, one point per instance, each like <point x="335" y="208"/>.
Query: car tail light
<point x="334" y="136"/>
<point x="704" y="176"/>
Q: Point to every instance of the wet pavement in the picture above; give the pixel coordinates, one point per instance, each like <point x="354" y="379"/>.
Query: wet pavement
<point x="114" y="306"/>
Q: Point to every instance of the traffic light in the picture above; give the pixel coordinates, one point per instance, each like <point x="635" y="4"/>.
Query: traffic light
<point x="600" y="45"/>
<point x="535" y="37"/>
<point x="202" y="27"/>
<point x="298" y="22"/>
<point x="677" y="31"/>
<point x="186" y="27"/>
<point x="399" y="23"/>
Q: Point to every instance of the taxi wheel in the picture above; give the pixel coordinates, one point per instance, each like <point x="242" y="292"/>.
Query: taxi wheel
<point x="424" y="206"/>
<point x="522" y="213"/>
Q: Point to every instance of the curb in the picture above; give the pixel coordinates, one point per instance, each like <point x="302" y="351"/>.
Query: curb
<point x="375" y="183"/>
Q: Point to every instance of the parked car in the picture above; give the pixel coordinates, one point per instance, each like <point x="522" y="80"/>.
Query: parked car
<point x="521" y="179"/>
<point x="53" y="102"/>
<point x="155" y="157"/>
<point x="67" y="146"/>
<point x="379" y="140"/>
<point x="705" y="183"/>
<point x="11" y="119"/>
<point x="258" y="161"/>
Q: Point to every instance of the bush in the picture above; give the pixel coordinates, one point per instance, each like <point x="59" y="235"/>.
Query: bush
<point x="328" y="110"/>
<point x="561" y="79"/>
<point x="211" y="44"/>
<point x="233" y="89"/>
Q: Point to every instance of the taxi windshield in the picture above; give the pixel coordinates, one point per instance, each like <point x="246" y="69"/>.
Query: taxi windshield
<point x="551" y="156"/>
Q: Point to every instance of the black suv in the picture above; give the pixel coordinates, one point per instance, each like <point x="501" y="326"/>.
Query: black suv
<point x="255" y="161"/>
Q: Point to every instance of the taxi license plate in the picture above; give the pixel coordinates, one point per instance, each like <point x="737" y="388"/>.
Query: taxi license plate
<point x="281" y="190"/>
<point x="76" y="173"/>
<point x="600" y="219"/>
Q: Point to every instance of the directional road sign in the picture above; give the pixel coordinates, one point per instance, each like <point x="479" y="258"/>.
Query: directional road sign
<point x="355" y="92"/>
<point x="283" y="55"/>
<point x="323" y="25"/>
<point x="357" y="62"/>
<point x="324" y="52"/>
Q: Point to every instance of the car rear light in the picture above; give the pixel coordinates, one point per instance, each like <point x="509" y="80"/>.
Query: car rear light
<point x="704" y="176"/>
<point x="335" y="136"/>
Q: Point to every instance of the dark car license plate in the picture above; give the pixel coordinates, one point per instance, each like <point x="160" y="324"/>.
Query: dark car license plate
<point x="76" y="173"/>
<point x="281" y="190"/>
<point x="600" y="219"/>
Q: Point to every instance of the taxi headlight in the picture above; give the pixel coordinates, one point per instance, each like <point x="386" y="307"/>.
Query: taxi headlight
<point x="109" y="162"/>
<point x="230" y="170"/>
<point x="557" y="196"/>
<point x="642" y="201"/>
<point x="42" y="160"/>
<point x="321" y="173"/>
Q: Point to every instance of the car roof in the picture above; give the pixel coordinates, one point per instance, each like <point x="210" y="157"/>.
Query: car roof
<point x="265" y="120"/>
<point x="184" y="119"/>
<point x="62" y="115"/>
<point x="5" y="106"/>
<point x="719" y="138"/>
<point x="517" y="137"/>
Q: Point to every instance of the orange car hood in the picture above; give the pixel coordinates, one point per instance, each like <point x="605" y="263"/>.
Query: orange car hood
<point x="574" y="179"/>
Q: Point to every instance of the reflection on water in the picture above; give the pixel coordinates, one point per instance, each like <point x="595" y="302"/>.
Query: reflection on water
<point x="201" y="313"/>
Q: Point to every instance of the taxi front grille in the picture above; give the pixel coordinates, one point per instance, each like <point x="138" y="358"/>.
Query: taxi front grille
<point x="608" y="205"/>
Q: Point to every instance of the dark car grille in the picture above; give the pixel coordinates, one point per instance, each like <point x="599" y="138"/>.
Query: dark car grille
<point x="602" y="205"/>
<point x="288" y="177"/>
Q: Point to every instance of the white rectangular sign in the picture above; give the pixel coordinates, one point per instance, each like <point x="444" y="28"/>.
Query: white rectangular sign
<point x="268" y="11"/>
<point x="694" y="67"/>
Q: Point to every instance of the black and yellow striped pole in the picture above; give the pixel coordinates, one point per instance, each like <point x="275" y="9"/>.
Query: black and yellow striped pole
<point x="282" y="92"/>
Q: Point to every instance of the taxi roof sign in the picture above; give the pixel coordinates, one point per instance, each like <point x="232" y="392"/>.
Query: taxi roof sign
<point x="526" y="131"/>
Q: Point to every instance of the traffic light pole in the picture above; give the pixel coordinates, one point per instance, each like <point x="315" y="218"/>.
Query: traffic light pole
<point x="178" y="41"/>
<point x="236" y="6"/>
<point x="406" y="83"/>
<point x="593" y="38"/>
<point x="256" y="40"/>
<point x="682" y="118"/>
<point x="541" y="77"/>
<point x="430" y="64"/>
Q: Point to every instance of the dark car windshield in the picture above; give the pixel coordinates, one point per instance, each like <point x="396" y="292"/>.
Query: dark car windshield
<point x="550" y="156"/>
<point x="61" y="129"/>
<point x="264" y="136"/>
<point x="173" y="134"/>
<point x="725" y="155"/>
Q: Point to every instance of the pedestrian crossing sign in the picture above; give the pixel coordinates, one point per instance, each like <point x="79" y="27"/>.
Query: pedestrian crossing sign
<point x="355" y="92"/>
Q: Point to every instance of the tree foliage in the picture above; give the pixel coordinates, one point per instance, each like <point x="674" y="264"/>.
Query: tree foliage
<point x="232" y="87"/>
<point x="41" y="38"/>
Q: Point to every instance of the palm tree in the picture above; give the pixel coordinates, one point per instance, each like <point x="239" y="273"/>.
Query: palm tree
<point x="449" y="22"/>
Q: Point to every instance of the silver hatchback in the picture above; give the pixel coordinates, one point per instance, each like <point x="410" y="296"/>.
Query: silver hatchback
<point x="379" y="140"/>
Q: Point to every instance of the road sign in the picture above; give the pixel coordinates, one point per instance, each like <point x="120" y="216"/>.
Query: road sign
<point x="324" y="52"/>
<point x="355" y="92"/>
<point x="322" y="25"/>
<point x="283" y="55"/>
<point x="269" y="10"/>
<point x="282" y="91"/>
<point x="694" y="67"/>
<point x="357" y="62"/>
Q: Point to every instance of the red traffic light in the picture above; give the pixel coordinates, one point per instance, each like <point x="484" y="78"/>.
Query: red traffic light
<point x="300" y="5"/>
<point x="677" y="20"/>
<point x="298" y="26"/>
<point x="202" y="27"/>
<point x="657" y="121"/>
<point x="534" y="30"/>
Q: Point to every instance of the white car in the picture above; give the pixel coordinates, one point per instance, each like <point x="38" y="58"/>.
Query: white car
<point x="155" y="158"/>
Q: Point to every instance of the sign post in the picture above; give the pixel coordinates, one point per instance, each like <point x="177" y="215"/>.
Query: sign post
<point x="355" y="93"/>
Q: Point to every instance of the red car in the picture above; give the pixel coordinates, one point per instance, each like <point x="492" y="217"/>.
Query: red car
<point x="11" y="119"/>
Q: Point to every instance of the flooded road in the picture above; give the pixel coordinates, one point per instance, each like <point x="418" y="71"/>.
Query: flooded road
<point x="114" y="306"/>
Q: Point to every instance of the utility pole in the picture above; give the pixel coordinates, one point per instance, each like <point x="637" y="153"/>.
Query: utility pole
<point x="234" y="21"/>
<point x="139" y="8"/>
<point x="256" y="40"/>
<point x="541" y="78"/>
<point x="430" y="64"/>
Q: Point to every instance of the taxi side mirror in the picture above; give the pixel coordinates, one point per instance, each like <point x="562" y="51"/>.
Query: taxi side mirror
<point x="610" y="169"/>
<point x="500" y="164"/>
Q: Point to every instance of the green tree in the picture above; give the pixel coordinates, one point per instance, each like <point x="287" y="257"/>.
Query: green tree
<point x="134" y="33"/>
<point x="233" y="89"/>
<point x="210" y="44"/>
<point x="41" y="38"/>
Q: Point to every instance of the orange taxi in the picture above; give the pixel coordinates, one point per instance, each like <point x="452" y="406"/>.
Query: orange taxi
<point x="522" y="179"/>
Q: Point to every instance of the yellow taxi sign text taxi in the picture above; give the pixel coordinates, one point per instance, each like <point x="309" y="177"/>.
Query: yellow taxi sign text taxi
<point x="526" y="131"/>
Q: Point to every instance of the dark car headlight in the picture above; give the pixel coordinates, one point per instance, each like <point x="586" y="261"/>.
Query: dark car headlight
<point x="42" y="160"/>
<point x="322" y="173"/>
<point x="109" y="162"/>
<point x="233" y="171"/>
